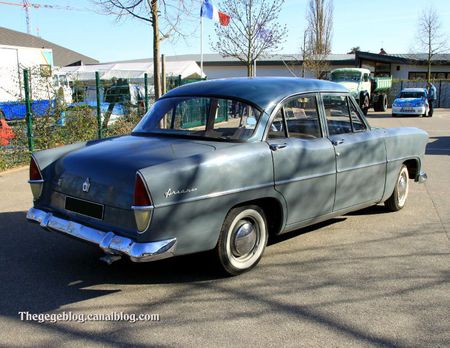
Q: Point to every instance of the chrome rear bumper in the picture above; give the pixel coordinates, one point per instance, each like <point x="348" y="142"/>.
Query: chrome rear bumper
<point x="108" y="241"/>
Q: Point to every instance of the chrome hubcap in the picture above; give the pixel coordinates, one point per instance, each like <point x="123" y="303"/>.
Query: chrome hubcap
<point x="244" y="238"/>
<point x="402" y="188"/>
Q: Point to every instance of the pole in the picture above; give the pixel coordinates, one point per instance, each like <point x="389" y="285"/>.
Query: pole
<point x="254" y="68"/>
<point x="201" y="46"/>
<point x="99" y="112"/>
<point x="29" y="118"/>
<point x="163" y="74"/>
<point x="146" y="91"/>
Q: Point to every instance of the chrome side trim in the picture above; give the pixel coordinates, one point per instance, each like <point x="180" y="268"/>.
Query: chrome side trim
<point x="142" y="207"/>
<point x="40" y="181"/>
<point x="216" y="194"/>
<point x="401" y="159"/>
<point x="108" y="241"/>
<point x="301" y="178"/>
<point x="362" y="166"/>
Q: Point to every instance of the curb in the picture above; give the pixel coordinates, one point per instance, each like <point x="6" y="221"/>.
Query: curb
<point x="13" y="170"/>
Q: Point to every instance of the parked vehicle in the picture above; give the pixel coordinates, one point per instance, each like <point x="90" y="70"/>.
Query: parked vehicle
<point x="221" y="165"/>
<point x="368" y="91"/>
<point x="411" y="101"/>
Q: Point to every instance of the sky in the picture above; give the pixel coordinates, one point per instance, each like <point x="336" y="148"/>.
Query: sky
<point x="369" y="24"/>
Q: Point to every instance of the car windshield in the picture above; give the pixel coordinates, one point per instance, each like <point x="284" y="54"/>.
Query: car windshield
<point x="412" y="95"/>
<point x="204" y="117"/>
<point x="346" y="76"/>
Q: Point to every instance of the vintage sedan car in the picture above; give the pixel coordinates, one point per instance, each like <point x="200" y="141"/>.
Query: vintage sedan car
<point x="411" y="101"/>
<point x="220" y="165"/>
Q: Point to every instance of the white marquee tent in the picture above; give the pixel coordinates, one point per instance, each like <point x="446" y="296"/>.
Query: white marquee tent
<point x="131" y="70"/>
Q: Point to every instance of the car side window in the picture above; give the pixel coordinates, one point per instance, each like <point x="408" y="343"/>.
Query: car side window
<point x="337" y="113"/>
<point x="302" y="117"/>
<point x="277" y="129"/>
<point x="358" y="124"/>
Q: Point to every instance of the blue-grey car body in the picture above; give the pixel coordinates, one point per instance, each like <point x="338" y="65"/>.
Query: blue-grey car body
<point x="194" y="183"/>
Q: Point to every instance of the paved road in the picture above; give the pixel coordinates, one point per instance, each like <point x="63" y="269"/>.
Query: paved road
<point x="367" y="279"/>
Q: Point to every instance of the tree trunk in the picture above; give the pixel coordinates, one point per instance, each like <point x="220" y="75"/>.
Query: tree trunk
<point x="156" y="60"/>
<point x="429" y="55"/>
<point x="249" y="69"/>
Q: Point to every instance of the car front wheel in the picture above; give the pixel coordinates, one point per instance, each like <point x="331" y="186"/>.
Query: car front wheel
<point x="398" y="198"/>
<point x="242" y="239"/>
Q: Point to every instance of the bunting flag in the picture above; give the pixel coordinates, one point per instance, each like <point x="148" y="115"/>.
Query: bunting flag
<point x="210" y="11"/>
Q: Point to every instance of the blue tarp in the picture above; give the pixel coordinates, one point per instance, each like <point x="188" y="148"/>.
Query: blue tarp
<point x="119" y="109"/>
<point x="17" y="110"/>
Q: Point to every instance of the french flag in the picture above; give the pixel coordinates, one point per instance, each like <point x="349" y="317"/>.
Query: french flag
<point x="210" y="11"/>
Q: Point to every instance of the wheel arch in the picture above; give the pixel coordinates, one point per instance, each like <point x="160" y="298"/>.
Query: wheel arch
<point x="413" y="165"/>
<point x="273" y="210"/>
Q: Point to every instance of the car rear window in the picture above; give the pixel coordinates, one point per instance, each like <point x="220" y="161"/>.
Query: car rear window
<point x="207" y="117"/>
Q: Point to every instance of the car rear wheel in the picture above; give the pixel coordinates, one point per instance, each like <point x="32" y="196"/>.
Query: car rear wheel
<point x="398" y="198"/>
<point x="381" y="104"/>
<point x="242" y="239"/>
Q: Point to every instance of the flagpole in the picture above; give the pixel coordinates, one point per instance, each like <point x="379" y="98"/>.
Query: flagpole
<point x="201" y="45"/>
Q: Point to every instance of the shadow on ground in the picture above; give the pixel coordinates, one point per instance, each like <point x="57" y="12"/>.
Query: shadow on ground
<point x="43" y="271"/>
<point x="438" y="146"/>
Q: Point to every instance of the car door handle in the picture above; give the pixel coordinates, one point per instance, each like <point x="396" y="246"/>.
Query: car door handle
<point x="275" y="147"/>
<point x="337" y="142"/>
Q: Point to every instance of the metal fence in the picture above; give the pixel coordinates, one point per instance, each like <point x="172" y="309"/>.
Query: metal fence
<point x="442" y="91"/>
<point x="73" y="111"/>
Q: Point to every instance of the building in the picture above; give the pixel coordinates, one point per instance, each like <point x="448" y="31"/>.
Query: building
<point x="399" y="66"/>
<point x="61" y="56"/>
<point x="412" y="66"/>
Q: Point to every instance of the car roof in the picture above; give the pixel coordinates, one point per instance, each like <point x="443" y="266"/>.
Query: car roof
<point x="264" y="92"/>
<point x="363" y="70"/>
<point x="413" y="90"/>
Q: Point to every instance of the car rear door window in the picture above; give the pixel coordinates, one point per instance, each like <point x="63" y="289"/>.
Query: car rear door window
<point x="301" y="119"/>
<point x="277" y="129"/>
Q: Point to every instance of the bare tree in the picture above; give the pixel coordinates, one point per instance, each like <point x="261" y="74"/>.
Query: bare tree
<point x="430" y="36"/>
<point x="164" y="17"/>
<point x="318" y="36"/>
<point x="252" y="32"/>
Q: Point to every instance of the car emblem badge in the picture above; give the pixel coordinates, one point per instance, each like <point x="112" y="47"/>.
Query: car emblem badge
<point x="86" y="185"/>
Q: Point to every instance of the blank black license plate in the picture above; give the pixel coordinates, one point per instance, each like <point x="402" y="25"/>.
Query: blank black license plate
<point x="83" y="207"/>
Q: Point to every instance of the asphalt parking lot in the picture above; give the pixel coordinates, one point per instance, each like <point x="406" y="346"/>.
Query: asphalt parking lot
<point x="370" y="278"/>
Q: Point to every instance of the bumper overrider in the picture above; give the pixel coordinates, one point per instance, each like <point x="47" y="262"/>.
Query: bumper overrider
<point x="421" y="177"/>
<point x="109" y="242"/>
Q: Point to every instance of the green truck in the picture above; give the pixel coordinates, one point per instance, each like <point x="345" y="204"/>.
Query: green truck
<point x="367" y="90"/>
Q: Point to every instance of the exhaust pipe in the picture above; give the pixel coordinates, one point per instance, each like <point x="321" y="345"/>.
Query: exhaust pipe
<point x="109" y="259"/>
